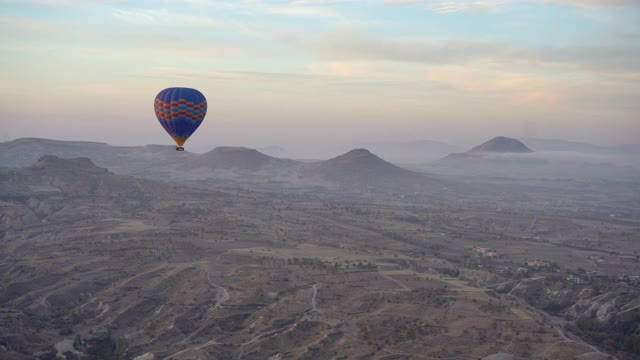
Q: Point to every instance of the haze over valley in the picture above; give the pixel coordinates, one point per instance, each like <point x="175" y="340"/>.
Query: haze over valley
<point x="319" y="180"/>
<point x="151" y="253"/>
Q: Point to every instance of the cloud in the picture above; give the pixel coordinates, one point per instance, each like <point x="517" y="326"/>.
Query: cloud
<point x="594" y="3"/>
<point x="168" y="72"/>
<point x="186" y="73"/>
<point x="62" y="2"/>
<point x="28" y="26"/>
<point x="353" y="46"/>
<point x="347" y="45"/>
<point x="316" y="2"/>
<point x="601" y="58"/>
<point x="162" y="17"/>
<point x="484" y="78"/>
<point x="403" y="2"/>
<point x="456" y="6"/>
<point x="344" y="69"/>
<point x="633" y="76"/>
<point x="304" y="11"/>
<point x="451" y="6"/>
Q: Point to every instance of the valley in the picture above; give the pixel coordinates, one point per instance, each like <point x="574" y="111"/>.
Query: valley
<point x="410" y="267"/>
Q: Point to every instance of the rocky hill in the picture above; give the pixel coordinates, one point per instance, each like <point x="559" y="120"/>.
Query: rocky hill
<point x="501" y="144"/>
<point x="413" y="152"/>
<point x="361" y="167"/>
<point x="29" y="195"/>
<point x="93" y="262"/>
<point x="227" y="164"/>
<point x="72" y="176"/>
<point x="153" y="161"/>
<point x="603" y="314"/>
<point x="492" y="150"/>
<point x="233" y="158"/>
<point x="26" y="151"/>
<point x="558" y="145"/>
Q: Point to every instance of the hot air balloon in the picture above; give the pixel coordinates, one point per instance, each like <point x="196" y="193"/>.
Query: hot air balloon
<point x="180" y="111"/>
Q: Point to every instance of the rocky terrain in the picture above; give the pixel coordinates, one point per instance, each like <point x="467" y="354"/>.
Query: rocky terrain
<point x="363" y="169"/>
<point x="484" y="151"/>
<point x="95" y="264"/>
<point x="253" y="168"/>
<point x="604" y="314"/>
<point x="501" y="144"/>
<point x="222" y="163"/>
<point x="511" y="158"/>
<point x="411" y="152"/>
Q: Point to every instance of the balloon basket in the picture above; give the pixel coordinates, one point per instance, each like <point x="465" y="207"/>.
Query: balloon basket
<point x="179" y="148"/>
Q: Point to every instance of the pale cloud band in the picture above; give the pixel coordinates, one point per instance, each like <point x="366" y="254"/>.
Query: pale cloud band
<point x="412" y="66"/>
<point x="450" y="6"/>
<point x="356" y="46"/>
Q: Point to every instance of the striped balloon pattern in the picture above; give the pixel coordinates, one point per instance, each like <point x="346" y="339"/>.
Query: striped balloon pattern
<point x="180" y="111"/>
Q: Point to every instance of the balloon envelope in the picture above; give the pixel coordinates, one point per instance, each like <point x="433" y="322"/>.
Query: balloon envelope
<point x="180" y="111"/>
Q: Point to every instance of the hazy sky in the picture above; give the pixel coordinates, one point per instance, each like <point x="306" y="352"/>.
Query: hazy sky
<point x="323" y="72"/>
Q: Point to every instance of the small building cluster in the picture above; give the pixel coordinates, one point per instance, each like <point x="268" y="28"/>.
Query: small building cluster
<point x="487" y="252"/>
<point x="576" y="279"/>
<point x="537" y="264"/>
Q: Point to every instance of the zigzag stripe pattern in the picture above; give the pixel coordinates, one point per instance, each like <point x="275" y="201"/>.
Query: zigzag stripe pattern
<point x="182" y="107"/>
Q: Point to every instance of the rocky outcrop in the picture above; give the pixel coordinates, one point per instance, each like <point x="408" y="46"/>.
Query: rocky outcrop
<point x="499" y="356"/>
<point x="606" y="316"/>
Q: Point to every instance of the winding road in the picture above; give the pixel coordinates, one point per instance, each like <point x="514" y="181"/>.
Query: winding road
<point x="403" y="286"/>
<point x="314" y="307"/>
<point x="260" y="336"/>
<point x="558" y="325"/>
<point x="314" y="294"/>
<point x="212" y="342"/>
<point x="222" y="294"/>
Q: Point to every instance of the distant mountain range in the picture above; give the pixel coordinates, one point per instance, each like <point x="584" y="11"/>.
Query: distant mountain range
<point x="355" y="168"/>
<point x="497" y="145"/>
<point x="552" y="145"/>
<point x="512" y="158"/>
<point x="52" y="174"/>
<point x="501" y="144"/>
<point x="360" y="166"/>
<point x="229" y="158"/>
<point x="276" y="151"/>
<point x="412" y="152"/>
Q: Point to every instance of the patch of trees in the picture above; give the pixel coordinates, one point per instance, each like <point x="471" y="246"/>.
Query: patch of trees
<point x="392" y="331"/>
<point x="14" y="197"/>
<point x="555" y="307"/>
<point x="536" y="292"/>
<point x="433" y="297"/>
<point x="103" y="346"/>
<point x="315" y="263"/>
<point x="623" y="336"/>
<point x="493" y="307"/>
<point x="412" y="219"/>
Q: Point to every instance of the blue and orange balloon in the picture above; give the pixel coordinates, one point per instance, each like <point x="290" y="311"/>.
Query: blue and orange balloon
<point x="180" y="111"/>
